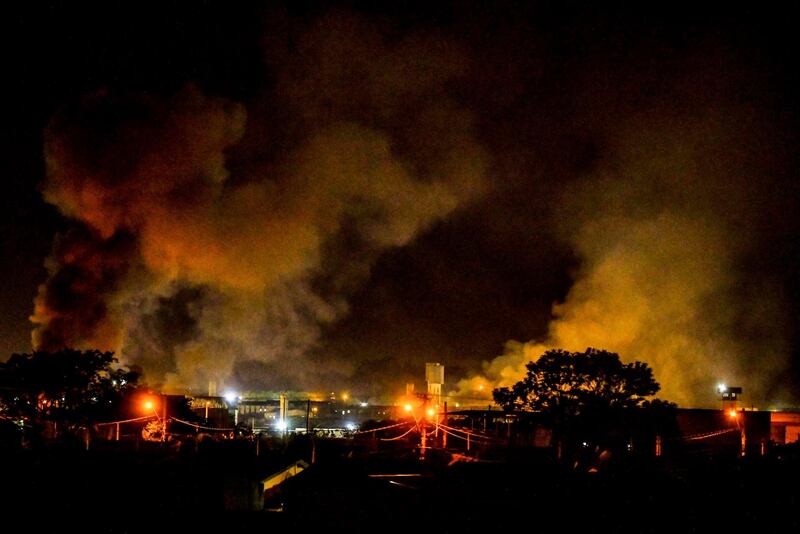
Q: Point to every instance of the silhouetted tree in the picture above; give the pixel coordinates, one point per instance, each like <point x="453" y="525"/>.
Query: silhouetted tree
<point x="69" y="385"/>
<point x="566" y="383"/>
<point x="586" y="395"/>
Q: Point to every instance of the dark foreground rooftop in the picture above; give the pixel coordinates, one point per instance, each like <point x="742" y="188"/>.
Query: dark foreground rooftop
<point x="156" y="489"/>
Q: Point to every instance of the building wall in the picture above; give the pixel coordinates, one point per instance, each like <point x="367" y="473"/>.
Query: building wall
<point x="785" y="427"/>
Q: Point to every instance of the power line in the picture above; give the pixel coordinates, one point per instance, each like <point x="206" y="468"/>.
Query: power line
<point x="126" y="420"/>
<point x="473" y="440"/>
<point x="462" y="397"/>
<point x="709" y="434"/>
<point x="470" y="433"/>
<point x="187" y="423"/>
<point x="382" y="428"/>
<point x="401" y="436"/>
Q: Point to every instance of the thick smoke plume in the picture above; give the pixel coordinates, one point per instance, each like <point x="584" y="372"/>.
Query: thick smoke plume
<point x="199" y="273"/>
<point x="328" y="222"/>
<point x="668" y="226"/>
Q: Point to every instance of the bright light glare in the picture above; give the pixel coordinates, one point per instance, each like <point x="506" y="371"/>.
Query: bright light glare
<point x="721" y="387"/>
<point x="148" y="405"/>
<point x="732" y="413"/>
<point x="350" y="426"/>
<point x="230" y="396"/>
<point x="430" y="412"/>
<point x="281" y="425"/>
<point x="408" y="407"/>
<point x="363" y="405"/>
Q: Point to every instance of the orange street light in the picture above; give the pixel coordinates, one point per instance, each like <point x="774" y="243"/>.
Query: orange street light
<point x="150" y="404"/>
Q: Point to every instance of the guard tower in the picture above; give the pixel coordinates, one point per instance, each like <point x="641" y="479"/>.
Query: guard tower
<point x="434" y="377"/>
<point x="729" y="396"/>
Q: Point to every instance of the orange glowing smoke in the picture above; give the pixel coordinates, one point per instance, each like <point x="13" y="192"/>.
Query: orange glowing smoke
<point x="155" y="171"/>
<point x="660" y="230"/>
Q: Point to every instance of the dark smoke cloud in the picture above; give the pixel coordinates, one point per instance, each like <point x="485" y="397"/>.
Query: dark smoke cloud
<point x="77" y="302"/>
<point x="668" y="222"/>
<point x="248" y="269"/>
<point x="338" y="220"/>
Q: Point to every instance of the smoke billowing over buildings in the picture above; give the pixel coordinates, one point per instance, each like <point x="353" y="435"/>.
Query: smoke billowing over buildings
<point x="247" y="268"/>
<point x="304" y="198"/>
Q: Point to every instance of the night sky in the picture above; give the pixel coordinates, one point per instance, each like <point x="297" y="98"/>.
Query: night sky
<point x="316" y="197"/>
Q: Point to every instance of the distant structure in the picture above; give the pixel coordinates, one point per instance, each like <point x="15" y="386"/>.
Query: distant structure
<point x="727" y="393"/>
<point x="283" y="409"/>
<point x="729" y="396"/>
<point x="434" y="377"/>
<point x="212" y="388"/>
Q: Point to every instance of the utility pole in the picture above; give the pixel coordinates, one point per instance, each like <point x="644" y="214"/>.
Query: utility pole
<point x="444" y="430"/>
<point x="283" y="408"/>
<point x="744" y="434"/>
<point x="730" y="396"/>
<point x="422" y="443"/>
<point x="308" y="417"/>
<point x="423" y="437"/>
<point x="164" y="419"/>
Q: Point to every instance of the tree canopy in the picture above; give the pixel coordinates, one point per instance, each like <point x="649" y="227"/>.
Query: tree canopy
<point x="67" y="385"/>
<point x="567" y="383"/>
